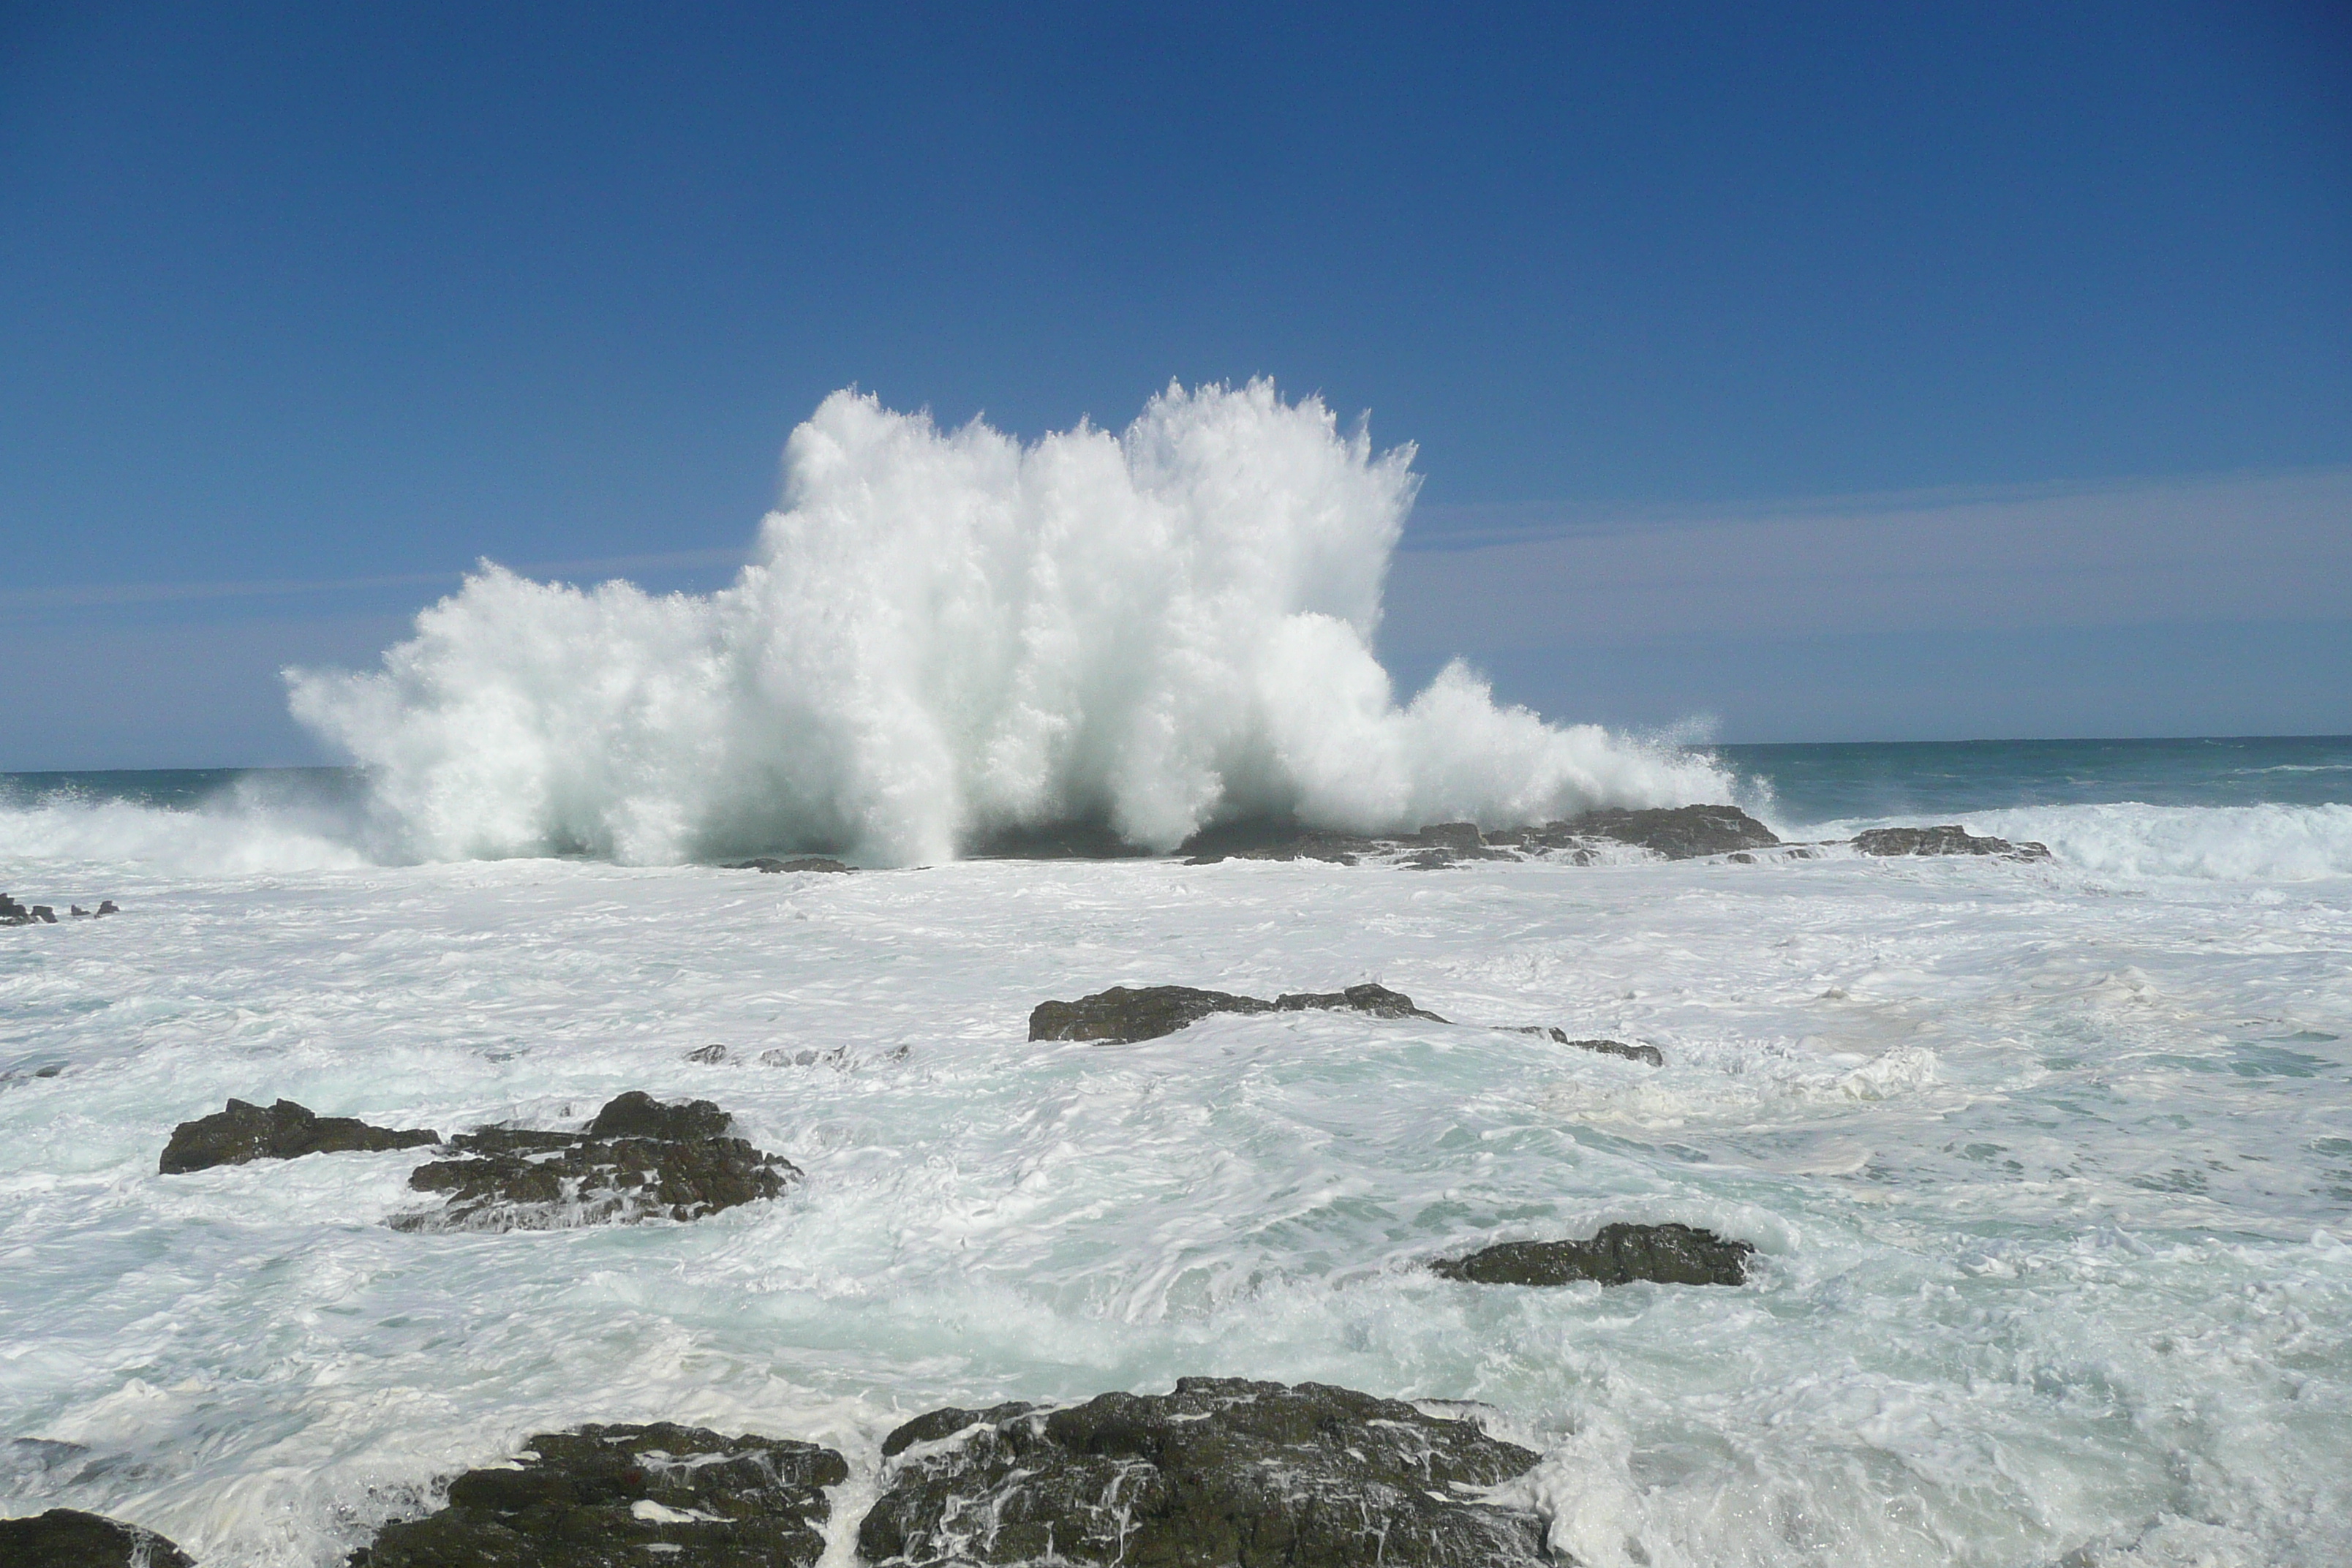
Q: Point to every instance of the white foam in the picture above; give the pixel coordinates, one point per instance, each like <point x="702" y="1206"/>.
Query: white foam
<point x="2128" y="840"/>
<point x="948" y="632"/>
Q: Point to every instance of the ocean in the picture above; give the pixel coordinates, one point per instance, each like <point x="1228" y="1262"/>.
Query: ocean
<point x="2048" y="1164"/>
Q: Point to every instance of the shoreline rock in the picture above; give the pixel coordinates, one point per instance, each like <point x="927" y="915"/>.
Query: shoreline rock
<point x="1950" y="838"/>
<point x="1222" y="1470"/>
<point x="245" y="1133"/>
<point x="769" y="863"/>
<point x="663" y="1493"/>
<point x="69" y="1538"/>
<point x="640" y="1159"/>
<point x="1620" y="1255"/>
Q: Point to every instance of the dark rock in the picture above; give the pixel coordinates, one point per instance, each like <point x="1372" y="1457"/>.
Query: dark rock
<point x="675" y="1497"/>
<point x="64" y="1538"/>
<point x="285" y="1131"/>
<point x="1459" y="836"/>
<point x="640" y="1159"/>
<point x="1741" y="858"/>
<point x="52" y="1070"/>
<point x="1603" y="1047"/>
<point x="769" y="863"/>
<point x="107" y="907"/>
<point x="1262" y="838"/>
<point x="1124" y="1015"/>
<point x="1053" y="841"/>
<point x="1620" y="1255"/>
<point x="43" y="914"/>
<point x="708" y="1056"/>
<point x="77" y="913"/>
<point x="1683" y="833"/>
<point x="1949" y="840"/>
<point x="932" y="1425"/>
<point x="12" y="911"/>
<point x="1222" y="1471"/>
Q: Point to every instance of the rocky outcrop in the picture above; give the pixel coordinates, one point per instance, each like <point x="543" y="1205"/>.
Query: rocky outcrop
<point x="1950" y="838"/>
<point x="676" y="1497"/>
<point x="1123" y="1014"/>
<point x="1222" y="1471"/>
<point x="770" y="863"/>
<point x="1649" y="1054"/>
<point x="284" y="1131"/>
<point x="66" y="1538"/>
<point x="1684" y="833"/>
<point x="640" y="1159"/>
<point x="1055" y="841"/>
<point x="1620" y="1255"/>
<point x="13" y="913"/>
<point x="1275" y="839"/>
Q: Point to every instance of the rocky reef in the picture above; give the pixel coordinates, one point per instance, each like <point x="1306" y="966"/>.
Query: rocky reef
<point x="639" y="1159"/>
<point x="1124" y="1015"/>
<point x="1619" y="1255"/>
<point x="1950" y="838"/>
<point x="65" y="1538"/>
<point x="1222" y="1471"/>
<point x="285" y="1131"/>
<point x="604" y="1496"/>
<point x="802" y="863"/>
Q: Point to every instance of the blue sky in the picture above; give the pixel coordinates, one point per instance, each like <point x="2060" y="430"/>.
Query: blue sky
<point x="303" y="309"/>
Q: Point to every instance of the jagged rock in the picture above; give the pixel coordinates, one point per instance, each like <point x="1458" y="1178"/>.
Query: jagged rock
<point x="1620" y="1255"/>
<point x="1055" y="841"/>
<point x="640" y="1159"/>
<point x="1649" y="1054"/>
<point x="770" y="863"/>
<point x="45" y="914"/>
<point x="285" y="1131"/>
<point x="677" y="1496"/>
<point x="1949" y="839"/>
<point x="76" y="913"/>
<point x="1684" y="833"/>
<point x="1223" y="1471"/>
<point x="1124" y="1015"/>
<point x="108" y="907"/>
<point x="66" y="1538"/>
<point x="708" y="1056"/>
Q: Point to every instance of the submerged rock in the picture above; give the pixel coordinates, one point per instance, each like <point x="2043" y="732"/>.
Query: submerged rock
<point x="1620" y="1255"/>
<point x="66" y="1538"/>
<point x="675" y="1497"/>
<point x="284" y="1131"/>
<point x="640" y="1159"/>
<point x="1684" y="833"/>
<point x="770" y="863"/>
<point x="1950" y="838"/>
<point x="1124" y="1015"/>
<point x="1649" y="1054"/>
<point x="1222" y="1471"/>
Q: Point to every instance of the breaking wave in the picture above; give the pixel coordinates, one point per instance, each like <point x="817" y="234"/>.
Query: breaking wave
<point x="946" y="634"/>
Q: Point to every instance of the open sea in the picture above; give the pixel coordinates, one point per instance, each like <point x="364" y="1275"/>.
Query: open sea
<point x="2049" y="1165"/>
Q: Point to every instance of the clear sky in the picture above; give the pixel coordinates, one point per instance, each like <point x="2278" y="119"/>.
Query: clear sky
<point x="304" y="308"/>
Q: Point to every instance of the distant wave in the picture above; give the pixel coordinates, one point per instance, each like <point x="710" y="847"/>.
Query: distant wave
<point x="948" y="633"/>
<point x="233" y="836"/>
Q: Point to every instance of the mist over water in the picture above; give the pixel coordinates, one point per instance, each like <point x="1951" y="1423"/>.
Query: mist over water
<point x="950" y="632"/>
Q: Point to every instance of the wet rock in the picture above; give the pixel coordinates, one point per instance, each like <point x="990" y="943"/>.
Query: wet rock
<point x="284" y="1131"/>
<point x="1054" y="841"/>
<point x="45" y="914"/>
<point x="1124" y="1015"/>
<point x="675" y="1497"/>
<point x="1649" y="1054"/>
<point x="1222" y="1471"/>
<point x="66" y="1538"/>
<point x="640" y="1159"/>
<point x="1949" y="839"/>
<point x="1684" y="833"/>
<point x="1620" y="1255"/>
<point x="708" y="1056"/>
<point x="108" y="907"/>
<point x="1274" y="839"/>
<point x="770" y="863"/>
<point x="11" y="912"/>
<point x="76" y="913"/>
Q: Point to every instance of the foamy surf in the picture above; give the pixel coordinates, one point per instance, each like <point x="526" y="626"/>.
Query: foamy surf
<point x="946" y="633"/>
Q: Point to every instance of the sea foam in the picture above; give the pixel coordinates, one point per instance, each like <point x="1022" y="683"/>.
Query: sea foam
<point x="949" y="633"/>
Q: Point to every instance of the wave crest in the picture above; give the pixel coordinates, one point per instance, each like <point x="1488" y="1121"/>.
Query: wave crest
<point x="949" y="633"/>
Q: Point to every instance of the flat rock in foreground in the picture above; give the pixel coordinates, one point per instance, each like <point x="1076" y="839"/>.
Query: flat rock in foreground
<point x="657" y="1497"/>
<point x="1950" y="838"/>
<point x="1124" y="1015"/>
<point x="283" y="1131"/>
<point x="1683" y="833"/>
<point x="1221" y="1472"/>
<point x="640" y="1159"/>
<point x="1620" y="1255"/>
<point x="66" y="1538"/>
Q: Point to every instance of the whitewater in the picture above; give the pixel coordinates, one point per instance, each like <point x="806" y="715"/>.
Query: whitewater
<point x="2049" y="1164"/>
